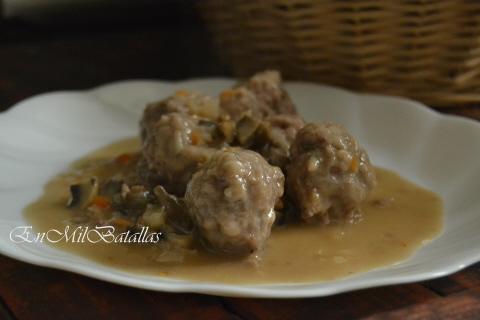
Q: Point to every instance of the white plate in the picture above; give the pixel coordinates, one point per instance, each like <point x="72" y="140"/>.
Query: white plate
<point x="40" y="136"/>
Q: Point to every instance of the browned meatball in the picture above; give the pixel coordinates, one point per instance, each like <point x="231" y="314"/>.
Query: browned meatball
<point x="267" y="86"/>
<point x="143" y="175"/>
<point x="276" y="136"/>
<point x="231" y="200"/>
<point x="329" y="174"/>
<point x="186" y="102"/>
<point x="178" y="135"/>
<point x="261" y="96"/>
<point x="175" y="147"/>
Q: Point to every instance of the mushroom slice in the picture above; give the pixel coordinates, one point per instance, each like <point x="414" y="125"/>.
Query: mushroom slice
<point x="227" y="129"/>
<point x="111" y="188"/>
<point x="136" y="200"/>
<point x="246" y="128"/>
<point x="82" y="194"/>
<point x="177" y="215"/>
<point x="154" y="217"/>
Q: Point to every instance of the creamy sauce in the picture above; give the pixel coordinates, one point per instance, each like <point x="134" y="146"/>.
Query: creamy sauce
<point x="399" y="217"/>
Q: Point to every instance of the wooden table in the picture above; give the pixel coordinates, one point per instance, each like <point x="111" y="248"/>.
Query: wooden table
<point x="74" y="59"/>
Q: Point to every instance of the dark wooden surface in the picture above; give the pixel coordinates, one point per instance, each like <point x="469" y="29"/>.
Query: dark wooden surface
<point x="43" y="58"/>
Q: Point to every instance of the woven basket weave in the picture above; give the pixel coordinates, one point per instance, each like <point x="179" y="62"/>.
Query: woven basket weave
<point x="425" y="49"/>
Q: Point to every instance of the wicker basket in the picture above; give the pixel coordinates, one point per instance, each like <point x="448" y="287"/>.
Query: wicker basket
<point x="425" y="49"/>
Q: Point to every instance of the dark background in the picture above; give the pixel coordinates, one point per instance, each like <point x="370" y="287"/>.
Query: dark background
<point x="82" y="46"/>
<point x="57" y="47"/>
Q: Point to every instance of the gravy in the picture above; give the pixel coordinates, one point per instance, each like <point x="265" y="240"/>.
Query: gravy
<point x="399" y="217"/>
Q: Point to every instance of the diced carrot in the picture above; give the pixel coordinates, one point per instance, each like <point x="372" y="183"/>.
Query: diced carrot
<point x="122" y="222"/>
<point x="354" y="165"/>
<point x="227" y="94"/>
<point x="181" y="93"/>
<point x="102" y="202"/>
<point x="196" y="138"/>
<point x="124" y="159"/>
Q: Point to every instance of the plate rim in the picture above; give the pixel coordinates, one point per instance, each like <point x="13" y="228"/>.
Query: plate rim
<point x="307" y="289"/>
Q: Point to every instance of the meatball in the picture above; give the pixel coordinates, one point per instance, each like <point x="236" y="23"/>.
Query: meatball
<point x="267" y="86"/>
<point x="231" y="201"/>
<point x="175" y="147"/>
<point x="276" y="136"/>
<point x="182" y="101"/>
<point x="143" y="175"/>
<point x="261" y="96"/>
<point x="329" y="174"/>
